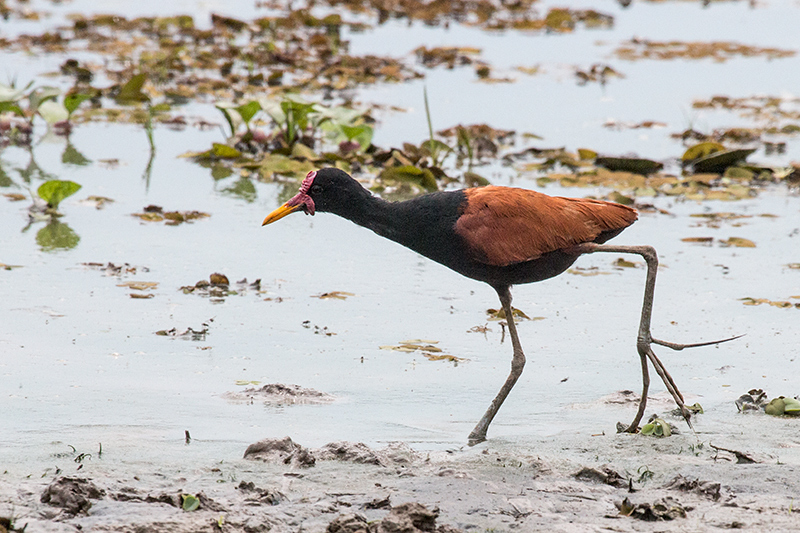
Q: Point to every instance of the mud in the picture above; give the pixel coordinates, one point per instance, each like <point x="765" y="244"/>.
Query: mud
<point x="565" y="483"/>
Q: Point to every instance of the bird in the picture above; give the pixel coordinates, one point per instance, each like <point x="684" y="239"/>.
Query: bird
<point x="502" y="236"/>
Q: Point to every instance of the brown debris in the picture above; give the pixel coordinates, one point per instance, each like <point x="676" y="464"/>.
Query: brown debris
<point x="281" y="451"/>
<point x="604" y="474"/>
<point x="72" y="494"/>
<point x="405" y="518"/>
<point x="278" y="393"/>
<point x="154" y="213"/>
<point x="709" y="489"/>
<point x="663" y="509"/>
<point x="719" y="51"/>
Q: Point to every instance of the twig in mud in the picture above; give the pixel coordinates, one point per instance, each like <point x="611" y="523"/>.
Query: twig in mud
<point x="741" y="457"/>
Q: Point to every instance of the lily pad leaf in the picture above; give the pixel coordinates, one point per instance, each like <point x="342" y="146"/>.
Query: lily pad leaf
<point x="658" y="427"/>
<point x="409" y="173"/>
<point x="776" y="407"/>
<point x="739" y="242"/>
<point x="52" y="112"/>
<point x="248" y="111"/>
<point x="131" y="92"/>
<point x="334" y="295"/>
<point x="699" y="240"/>
<point x="72" y="101"/>
<point x="54" y="191"/>
<point x="718" y="161"/>
<point x="139" y="285"/>
<point x="362" y="134"/>
<point x="701" y="150"/>
<point x="189" y="502"/>
<point x="500" y="314"/>
<point x="629" y="164"/>
<point x="42" y="95"/>
<point x="218" y="151"/>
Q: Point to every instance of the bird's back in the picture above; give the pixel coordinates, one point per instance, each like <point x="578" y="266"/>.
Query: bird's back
<point x="503" y="226"/>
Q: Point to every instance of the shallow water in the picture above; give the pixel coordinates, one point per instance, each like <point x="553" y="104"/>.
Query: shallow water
<point x="80" y="363"/>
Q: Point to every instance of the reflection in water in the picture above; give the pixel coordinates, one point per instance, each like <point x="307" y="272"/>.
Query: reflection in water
<point x="73" y="157"/>
<point x="242" y="188"/>
<point x="56" y="236"/>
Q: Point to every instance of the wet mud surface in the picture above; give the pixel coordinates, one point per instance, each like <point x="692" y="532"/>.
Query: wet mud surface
<point x="615" y="482"/>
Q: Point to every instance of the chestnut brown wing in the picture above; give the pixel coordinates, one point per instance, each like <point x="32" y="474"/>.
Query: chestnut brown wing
<point x="504" y="225"/>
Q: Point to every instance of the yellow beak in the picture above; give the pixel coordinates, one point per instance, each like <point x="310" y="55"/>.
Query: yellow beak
<point x="281" y="212"/>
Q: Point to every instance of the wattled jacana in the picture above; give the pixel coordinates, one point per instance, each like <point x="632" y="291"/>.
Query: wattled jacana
<point x="502" y="236"/>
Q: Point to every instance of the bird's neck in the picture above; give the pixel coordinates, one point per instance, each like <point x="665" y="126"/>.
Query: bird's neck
<point x="384" y="218"/>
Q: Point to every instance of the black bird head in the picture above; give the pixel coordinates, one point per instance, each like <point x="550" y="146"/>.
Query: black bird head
<point x="328" y="190"/>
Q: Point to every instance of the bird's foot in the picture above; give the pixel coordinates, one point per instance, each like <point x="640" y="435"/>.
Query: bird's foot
<point x="646" y="353"/>
<point x="476" y="438"/>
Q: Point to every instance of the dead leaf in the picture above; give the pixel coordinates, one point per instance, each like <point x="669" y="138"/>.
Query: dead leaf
<point x="139" y="285"/>
<point x="739" y="242"/>
<point x="334" y="295"/>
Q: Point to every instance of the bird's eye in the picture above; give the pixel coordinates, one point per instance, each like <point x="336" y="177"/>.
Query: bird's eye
<point x="316" y="189"/>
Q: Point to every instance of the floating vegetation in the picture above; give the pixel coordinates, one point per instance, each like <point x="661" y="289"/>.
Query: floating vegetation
<point x="646" y="124"/>
<point x="111" y="269"/>
<point x="657" y="427"/>
<point x="188" y="334"/>
<point x="637" y="49"/>
<point x="218" y="287"/>
<point x="756" y="400"/>
<point x="775" y="116"/>
<point x="785" y="304"/>
<point x="710" y="172"/>
<point x="99" y="201"/>
<point x="318" y="330"/>
<point x="715" y="220"/>
<point x="54" y="191"/>
<point x="139" y="285"/>
<point x="597" y="73"/>
<point x="738" y="242"/>
<point x="449" y="56"/>
<point x="334" y="295"/>
<point x="155" y="213"/>
<point x="621" y="262"/>
<point x="500" y="314"/>
<point x="426" y="347"/>
<point x="586" y="272"/>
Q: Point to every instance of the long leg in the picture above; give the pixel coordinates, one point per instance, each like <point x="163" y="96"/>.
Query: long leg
<point x="644" y="338"/>
<point x="517" y="364"/>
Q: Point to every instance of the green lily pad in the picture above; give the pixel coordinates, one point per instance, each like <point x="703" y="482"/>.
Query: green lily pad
<point x="658" y="427"/>
<point x="409" y="173"/>
<point x="189" y="502"/>
<point x="776" y="407"/>
<point x="629" y="164"/>
<point x="701" y="150"/>
<point x="719" y="161"/>
<point x="52" y="112"/>
<point x="54" y="191"/>
<point x="131" y="92"/>
<point x="791" y="406"/>
<point x="217" y="151"/>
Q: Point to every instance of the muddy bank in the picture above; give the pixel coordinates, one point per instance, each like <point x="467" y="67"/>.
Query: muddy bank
<point x="569" y="482"/>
